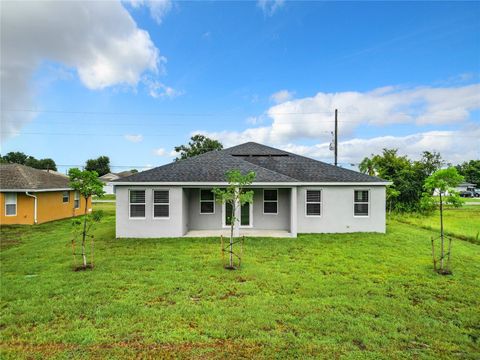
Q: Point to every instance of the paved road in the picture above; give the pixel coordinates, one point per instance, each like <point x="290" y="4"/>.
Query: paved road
<point x="472" y="203"/>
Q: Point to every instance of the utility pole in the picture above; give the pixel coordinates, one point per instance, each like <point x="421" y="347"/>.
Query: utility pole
<point x="336" y="136"/>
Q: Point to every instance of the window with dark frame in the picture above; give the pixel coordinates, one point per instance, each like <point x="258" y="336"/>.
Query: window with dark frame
<point x="66" y="196"/>
<point x="313" y="202"/>
<point x="137" y="203"/>
<point x="270" y="201"/>
<point x="361" y="202"/>
<point x="161" y="203"/>
<point x="207" y="201"/>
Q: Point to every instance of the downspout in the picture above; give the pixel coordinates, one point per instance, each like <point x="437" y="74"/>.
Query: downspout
<point x="34" y="206"/>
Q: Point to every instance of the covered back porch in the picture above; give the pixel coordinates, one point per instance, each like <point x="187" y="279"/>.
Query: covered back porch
<point x="273" y="213"/>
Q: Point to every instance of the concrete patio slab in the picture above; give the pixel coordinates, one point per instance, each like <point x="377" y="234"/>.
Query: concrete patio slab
<point x="243" y="232"/>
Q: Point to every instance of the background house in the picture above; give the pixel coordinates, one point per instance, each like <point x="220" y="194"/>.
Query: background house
<point x="107" y="178"/>
<point x="292" y="194"/>
<point x="31" y="196"/>
<point x="465" y="187"/>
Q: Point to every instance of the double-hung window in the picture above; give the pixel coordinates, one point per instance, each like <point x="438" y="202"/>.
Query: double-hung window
<point x="137" y="203"/>
<point x="207" y="201"/>
<point x="361" y="202"/>
<point x="66" y="196"/>
<point x="313" y="202"/>
<point x="10" y="204"/>
<point x="270" y="201"/>
<point x="161" y="204"/>
<point x="76" y="200"/>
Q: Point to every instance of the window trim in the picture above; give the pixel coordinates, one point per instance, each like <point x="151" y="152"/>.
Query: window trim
<point x="130" y="207"/>
<point x="321" y="202"/>
<point x="200" y="202"/>
<point x="74" y="199"/>
<point x="361" y="202"/>
<point x="154" y="203"/>
<point x="263" y="203"/>
<point x="68" y="197"/>
<point x="16" y="204"/>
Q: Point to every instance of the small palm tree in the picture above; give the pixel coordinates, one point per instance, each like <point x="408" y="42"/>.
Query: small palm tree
<point x="367" y="166"/>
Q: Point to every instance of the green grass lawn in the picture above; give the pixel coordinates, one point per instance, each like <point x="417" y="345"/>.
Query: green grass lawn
<point x="461" y="222"/>
<point x="356" y="296"/>
<point x="105" y="197"/>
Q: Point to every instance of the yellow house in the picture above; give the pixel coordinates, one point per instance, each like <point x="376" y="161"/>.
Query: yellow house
<point x="30" y="196"/>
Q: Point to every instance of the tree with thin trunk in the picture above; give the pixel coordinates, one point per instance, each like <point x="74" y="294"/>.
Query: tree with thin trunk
<point x="87" y="184"/>
<point x="236" y="195"/>
<point x="443" y="182"/>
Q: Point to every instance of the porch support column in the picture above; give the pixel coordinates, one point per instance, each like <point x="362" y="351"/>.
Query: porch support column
<point x="238" y="213"/>
<point x="293" y="211"/>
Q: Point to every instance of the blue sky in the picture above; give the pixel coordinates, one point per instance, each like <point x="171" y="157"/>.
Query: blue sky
<point x="402" y="75"/>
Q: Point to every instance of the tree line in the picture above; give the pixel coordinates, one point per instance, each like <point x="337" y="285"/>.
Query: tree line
<point x="199" y="144"/>
<point x="408" y="192"/>
<point x="100" y="165"/>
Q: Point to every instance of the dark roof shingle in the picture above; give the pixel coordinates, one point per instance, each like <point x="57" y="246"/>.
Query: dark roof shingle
<point x="21" y="177"/>
<point x="269" y="164"/>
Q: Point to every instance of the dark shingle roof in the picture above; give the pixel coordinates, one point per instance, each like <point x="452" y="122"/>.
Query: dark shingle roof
<point x="210" y="166"/>
<point x="21" y="177"/>
<point x="269" y="164"/>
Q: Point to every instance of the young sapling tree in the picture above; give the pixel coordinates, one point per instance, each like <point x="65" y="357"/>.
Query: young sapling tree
<point x="444" y="182"/>
<point x="87" y="184"/>
<point x="236" y="195"/>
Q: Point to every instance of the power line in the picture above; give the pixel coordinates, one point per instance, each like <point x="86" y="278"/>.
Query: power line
<point x="208" y="114"/>
<point x="168" y="135"/>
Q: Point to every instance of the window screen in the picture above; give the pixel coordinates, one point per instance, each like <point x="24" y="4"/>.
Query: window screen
<point x="270" y="201"/>
<point x="137" y="203"/>
<point x="76" y="200"/>
<point x="313" y="202"/>
<point x="161" y="204"/>
<point x="361" y="202"/>
<point x="207" y="201"/>
<point x="10" y="204"/>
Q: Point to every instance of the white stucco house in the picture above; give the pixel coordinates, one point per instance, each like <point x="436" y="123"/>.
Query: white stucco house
<point x="292" y="194"/>
<point x="107" y="178"/>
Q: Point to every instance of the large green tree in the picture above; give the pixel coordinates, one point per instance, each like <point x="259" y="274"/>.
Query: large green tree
<point x="407" y="176"/>
<point x="18" y="157"/>
<point x="470" y="171"/>
<point x="100" y="165"/>
<point x="199" y="144"/>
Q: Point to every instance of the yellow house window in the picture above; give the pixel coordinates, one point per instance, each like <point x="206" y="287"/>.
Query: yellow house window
<point x="66" y="196"/>
<point x="10" y="204"/>
<point x="76" y="200"/>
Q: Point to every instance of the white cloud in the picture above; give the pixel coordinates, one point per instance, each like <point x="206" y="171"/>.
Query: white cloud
<point x="270" y="6"/>
<point x="158" y="8"/>
<point x="159" y="90"/>
<point x="134" y="138"/>
<point x="101" y="42"/>
<point x="454" y="146"/>
<point x="281" y="96"/>
<point x="255" y="120"/>
<point x="160" y="152"/>
<point x="312" y="117"/>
